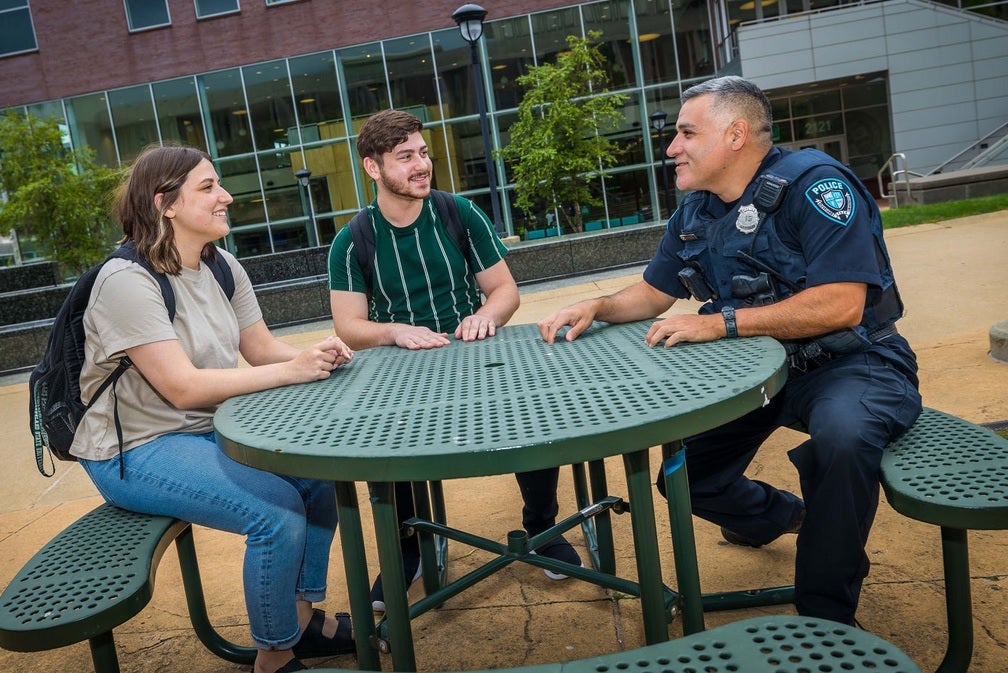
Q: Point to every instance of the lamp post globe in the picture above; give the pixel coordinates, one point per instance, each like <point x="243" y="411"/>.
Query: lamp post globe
<point x="302" y="175"/>
<point x="658" y="119"/>
<point x="470" y="21"/>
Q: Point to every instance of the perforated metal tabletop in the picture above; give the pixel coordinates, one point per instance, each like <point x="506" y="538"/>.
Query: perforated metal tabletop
<point x="506" y="404"/>
<point x="510" y="403"/>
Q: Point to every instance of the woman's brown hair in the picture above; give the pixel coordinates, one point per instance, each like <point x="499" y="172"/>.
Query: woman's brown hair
<point x="158" y="170"/>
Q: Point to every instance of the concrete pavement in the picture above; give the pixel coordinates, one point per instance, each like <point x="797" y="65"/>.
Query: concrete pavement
<point x="953" y="278"/>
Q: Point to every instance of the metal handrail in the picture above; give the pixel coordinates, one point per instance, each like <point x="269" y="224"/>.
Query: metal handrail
<point x="1000" y="132"/>
<point x="991" y="151"/>
<point x="895" y="174"/>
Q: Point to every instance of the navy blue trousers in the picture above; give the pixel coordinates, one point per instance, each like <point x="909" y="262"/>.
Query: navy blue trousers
<point x="852" y="406"/>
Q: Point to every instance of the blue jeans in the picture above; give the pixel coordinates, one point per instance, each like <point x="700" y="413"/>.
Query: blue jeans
<point x="289" y="522"/>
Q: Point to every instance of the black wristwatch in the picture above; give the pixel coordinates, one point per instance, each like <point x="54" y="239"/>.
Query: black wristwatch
<point x="731" y="329"/>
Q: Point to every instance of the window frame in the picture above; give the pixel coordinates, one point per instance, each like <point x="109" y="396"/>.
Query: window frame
<point x="31" y="23"/>
<point x="201" y="17"/>
<point x="129" y="22"/>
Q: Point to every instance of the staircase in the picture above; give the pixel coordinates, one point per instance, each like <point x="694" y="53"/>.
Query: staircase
<point x="981" y="169"/>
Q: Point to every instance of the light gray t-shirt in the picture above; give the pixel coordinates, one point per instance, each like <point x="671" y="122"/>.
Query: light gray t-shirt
<point x="127" y="310"/>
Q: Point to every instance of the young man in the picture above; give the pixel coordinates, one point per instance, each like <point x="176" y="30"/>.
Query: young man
<point x="423" y="288"/>
<point x="787" y="245"/>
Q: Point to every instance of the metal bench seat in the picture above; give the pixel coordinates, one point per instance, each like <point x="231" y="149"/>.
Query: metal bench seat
<point x="94" y="576"/>
<point x="773" y="644"/>
<point x="954" y="474"/>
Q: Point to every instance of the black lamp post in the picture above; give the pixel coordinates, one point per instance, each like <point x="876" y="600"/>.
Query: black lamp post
<point x="470" y="22"/>
<point x="658" y="119"/>
<point x="302" y="175"/>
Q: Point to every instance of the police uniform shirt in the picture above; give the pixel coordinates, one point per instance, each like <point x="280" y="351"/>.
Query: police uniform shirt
<point x="420" y="276"/>
<point x="823" y="219"/>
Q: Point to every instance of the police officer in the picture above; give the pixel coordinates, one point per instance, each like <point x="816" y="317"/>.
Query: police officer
<point x="789" y="245"/>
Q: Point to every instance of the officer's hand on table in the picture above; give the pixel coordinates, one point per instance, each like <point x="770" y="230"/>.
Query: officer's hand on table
<point x="691" y="328"/>
<point x="578" y="316"/>
<point x="475" y="327"/>
<point x="418" y="338"/>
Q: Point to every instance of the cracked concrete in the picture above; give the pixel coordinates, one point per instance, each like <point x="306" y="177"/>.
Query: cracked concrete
<point x="953" y="279"/>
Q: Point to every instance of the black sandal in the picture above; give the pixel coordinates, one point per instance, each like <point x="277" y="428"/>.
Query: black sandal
<point x="291" y="666"/>
<point x="313" y="644"/>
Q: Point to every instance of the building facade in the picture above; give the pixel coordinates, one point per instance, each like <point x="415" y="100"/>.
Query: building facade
<point x="272" y="88"/>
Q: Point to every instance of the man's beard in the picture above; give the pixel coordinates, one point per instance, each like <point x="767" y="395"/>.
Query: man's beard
<point x="405" y="188"/>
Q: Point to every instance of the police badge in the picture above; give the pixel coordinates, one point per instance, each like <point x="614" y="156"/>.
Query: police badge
<point x="748" y="219"/>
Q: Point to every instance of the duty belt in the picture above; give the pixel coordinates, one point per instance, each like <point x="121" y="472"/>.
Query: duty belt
<point x="808" y="356"/>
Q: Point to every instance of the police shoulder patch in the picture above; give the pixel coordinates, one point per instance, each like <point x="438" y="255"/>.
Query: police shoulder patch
<point x="834" y="198"/>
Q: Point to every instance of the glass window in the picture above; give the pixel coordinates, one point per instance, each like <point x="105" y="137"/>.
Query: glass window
<point x="333" y="178"/>
<point x="869" y="140"/>
<point x="454" y="72"/>
<point x="144" y="14"/>
<point x="133" y="120"/>
<point x="550" y="31"/>
<point x="284" y="197"/>
<point x="241" y="178"/>
<point x="818" y="126"/>
<point x="509" y="50"/>
<point x="628" y="195"/>
<point x="317" y="95"/>
<point x="52" y="109"/>
<point x="90" y="125"/>
<point x="693" y="40"/>
<point x="271" y="108"/>
<point x="205" y="8"/>
<point x="364" y="78"/>
<point x="815" y="103"/>
<point x="17" y="33"/>
<point x="178" y="112"/>
<point x="657" y="46"/>
<point x="469" y="161"/>
<point x="610" y="18"/>
<point x="410" y="68"/>
<point x="868" y="90"/>
<point x="229" y="118"/>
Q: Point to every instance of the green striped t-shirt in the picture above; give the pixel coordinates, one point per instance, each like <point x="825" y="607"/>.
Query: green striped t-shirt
<point x="420" y="275"/>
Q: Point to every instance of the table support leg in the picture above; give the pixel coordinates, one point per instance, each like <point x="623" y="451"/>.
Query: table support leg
<point x="358" y="584"/>
<point x="394" y="584"/>
<point x="683" y="540"/>
<point x="428" y="504"/>
<point x="958" y="601"/>
<point x="597" y="530"/>
<point x="642" y="520"/>
<point x="192" y="582"/>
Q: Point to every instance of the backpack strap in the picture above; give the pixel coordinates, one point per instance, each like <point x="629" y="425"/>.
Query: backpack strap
<point x="220" y="269"/>
<point x="448" y="209"/>
<point x="225" y="278"/>
<point x="362" y="235"/>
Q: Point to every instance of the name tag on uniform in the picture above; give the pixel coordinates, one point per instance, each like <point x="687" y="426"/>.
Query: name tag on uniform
<point x="688" y="237"/>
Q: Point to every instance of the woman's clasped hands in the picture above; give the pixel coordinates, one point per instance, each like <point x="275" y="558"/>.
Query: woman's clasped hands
<point x="317" y="362"/>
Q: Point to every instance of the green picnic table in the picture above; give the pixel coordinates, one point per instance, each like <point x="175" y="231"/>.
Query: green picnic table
<point x="510" y="403"/>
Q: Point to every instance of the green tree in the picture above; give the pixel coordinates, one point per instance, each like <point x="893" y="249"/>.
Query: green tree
<point x="558" y="143"/>
<point x="56" y="196"/>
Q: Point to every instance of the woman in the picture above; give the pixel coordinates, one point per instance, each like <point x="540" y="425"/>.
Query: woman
<point x="172" y="208"/>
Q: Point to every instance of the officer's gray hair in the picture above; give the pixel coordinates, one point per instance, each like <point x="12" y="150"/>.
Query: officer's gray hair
<point x="737" y="96"/>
